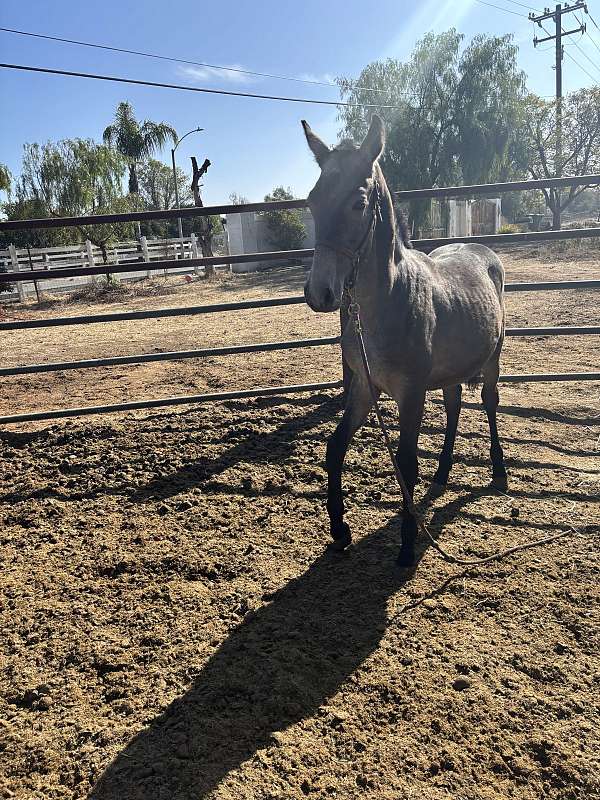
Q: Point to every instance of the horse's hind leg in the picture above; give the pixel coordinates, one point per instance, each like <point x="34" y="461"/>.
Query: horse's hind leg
<point x="357" y="409"/>
<point x="411" y="415"/>
<point x="452" y="399"/>
<point x="490" y="399"/>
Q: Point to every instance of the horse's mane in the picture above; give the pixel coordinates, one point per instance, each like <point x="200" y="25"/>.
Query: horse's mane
<point x="403" y="229"/>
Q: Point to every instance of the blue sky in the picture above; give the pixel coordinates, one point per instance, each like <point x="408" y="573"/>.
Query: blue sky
<point x="253" y="145"/>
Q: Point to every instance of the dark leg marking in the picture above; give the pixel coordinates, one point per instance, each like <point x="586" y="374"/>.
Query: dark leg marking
<point x="452" y="401"/>
<point x="490" y="400"/>
<point x="411" y="415"/>
<point x="357" y="409"/>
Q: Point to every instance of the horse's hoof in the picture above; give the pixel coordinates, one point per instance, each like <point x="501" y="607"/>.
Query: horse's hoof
<point x="406" y="557"/>
<point x="499" y="482"/>
<point x="436" y="490"/>
<point x="341" y="538"/>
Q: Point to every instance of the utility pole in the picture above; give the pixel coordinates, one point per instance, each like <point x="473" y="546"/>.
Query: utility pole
<point x="557" y="16"/>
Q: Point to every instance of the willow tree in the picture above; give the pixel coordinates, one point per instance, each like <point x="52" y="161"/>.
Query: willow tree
<point x="580" y="150"/>
<point x="136" y="141"/>
<point x="5" y="179"/>
<point x="451" y="111"/>
<point x="73" y="177"/>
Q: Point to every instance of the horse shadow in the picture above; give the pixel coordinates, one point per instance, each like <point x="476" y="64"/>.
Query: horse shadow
<point x="279" y="666"/>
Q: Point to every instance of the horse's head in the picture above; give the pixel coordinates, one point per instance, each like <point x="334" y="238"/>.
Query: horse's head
<point x="343" y="203"/>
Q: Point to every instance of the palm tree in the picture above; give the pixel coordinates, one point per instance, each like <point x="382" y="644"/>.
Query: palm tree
<point x="136" y="142"/>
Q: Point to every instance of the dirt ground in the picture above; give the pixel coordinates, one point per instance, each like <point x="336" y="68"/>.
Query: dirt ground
<point x="173" y="627"/>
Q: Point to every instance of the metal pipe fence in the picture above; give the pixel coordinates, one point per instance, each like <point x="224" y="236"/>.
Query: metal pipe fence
<point x="176" y="355"/>
<point x="278" y="205"/>
<point x="260" y="347"/>
<point x="423" y="244"/>
<point x="243" y="305"/>
<point x="426" y="245"/>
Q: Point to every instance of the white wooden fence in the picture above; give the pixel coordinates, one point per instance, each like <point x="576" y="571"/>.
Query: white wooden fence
<point x="87" y="254"/>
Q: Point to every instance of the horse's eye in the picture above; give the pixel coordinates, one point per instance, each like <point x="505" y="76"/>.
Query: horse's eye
<point x="360" y="205"/>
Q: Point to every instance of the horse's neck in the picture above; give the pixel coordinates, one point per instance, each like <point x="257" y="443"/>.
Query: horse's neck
<point x="383" y="265"/>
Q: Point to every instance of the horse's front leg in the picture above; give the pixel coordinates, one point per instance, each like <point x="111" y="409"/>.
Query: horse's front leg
<point x="357" y="409"/>
<point x="411" y="415"/>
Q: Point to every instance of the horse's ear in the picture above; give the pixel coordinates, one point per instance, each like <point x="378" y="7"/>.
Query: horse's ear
<point x="374" y="141"/>
<point x="318" y="147"/>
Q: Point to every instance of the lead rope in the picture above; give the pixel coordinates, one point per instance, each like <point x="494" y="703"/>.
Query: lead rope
<point x="354" y="313"/>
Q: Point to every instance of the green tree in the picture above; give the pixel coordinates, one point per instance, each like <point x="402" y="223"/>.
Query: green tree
<point x="237" y="199"/>
<point x="136" y="141"/>
<point x="156" y="186"/>
<point x="5" y="179"/>
<point x="286" y="228"/>
<point x="580" y="143"/>
<point x="72" y="177"/>
<point x="454" y="116"/>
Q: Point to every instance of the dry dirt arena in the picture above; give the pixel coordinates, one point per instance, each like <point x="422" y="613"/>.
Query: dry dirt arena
<point x="173" y="627"/>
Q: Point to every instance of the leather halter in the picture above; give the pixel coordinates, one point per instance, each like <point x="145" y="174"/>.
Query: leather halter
<point x="355" y="255"/>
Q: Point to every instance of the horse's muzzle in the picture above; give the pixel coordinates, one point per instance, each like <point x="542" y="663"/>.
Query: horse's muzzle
<point x="327" y="301"/>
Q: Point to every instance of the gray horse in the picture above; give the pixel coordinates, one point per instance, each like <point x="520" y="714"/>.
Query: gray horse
<point x="430" y="321"/>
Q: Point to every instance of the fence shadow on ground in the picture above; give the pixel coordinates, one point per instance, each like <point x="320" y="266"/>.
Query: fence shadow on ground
<point x="276" y="445"/>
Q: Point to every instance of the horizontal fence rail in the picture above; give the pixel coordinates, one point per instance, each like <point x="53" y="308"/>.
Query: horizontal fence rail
<point x="158" y="313"/>
<point x="243" y="305"/>
<point x="498" y="188"/>
<point x="289" y="255"/>
<point x="560" y="330"/>
<point x="143" y="266"/>
<point x="252" y="393"/>
<point x="278" y="205"/>
<point x="261" y="347"/>
<point x="171" y="401"/>
<point x="147" y="216"/>
<point x="176" y="355"/>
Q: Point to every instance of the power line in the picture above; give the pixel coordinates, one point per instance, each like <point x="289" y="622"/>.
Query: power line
<point x="583" y="53"/>
<point x="200" y="89"/>
<point x="185" y="61"/>
<point x="594" y="21"/>
<point x="501" y="8"/>
<point x="583" y="69"/>
<point x="593" y="41"/>
<point x="566" y="52"/>
<point x="515" y="3"/>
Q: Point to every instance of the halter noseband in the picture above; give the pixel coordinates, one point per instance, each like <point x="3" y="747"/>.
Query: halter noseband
<point x="355" y="255"/>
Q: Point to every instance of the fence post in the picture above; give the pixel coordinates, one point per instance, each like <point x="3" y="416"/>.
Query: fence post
<point x="90" y="253"/>
<point x="145" y="254"/>
<point x="12" y="250"/>
<point x="194" y="247"/>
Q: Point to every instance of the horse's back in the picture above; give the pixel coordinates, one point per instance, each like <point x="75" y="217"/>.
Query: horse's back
<point x="463" y="262"/>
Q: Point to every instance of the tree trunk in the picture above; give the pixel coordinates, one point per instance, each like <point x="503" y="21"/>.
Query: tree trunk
<point x="556" y="223"/>
<point x="205" y="232"/>
<point x="555" y="208"/>
<point x="134" y="186"/>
